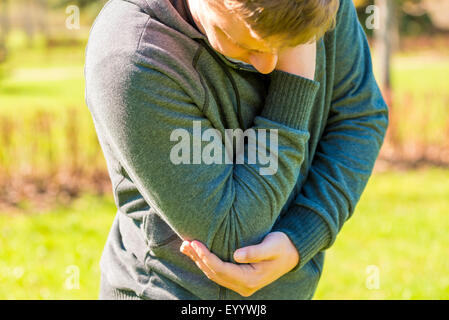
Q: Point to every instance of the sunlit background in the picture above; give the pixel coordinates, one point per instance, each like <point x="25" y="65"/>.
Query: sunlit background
<point x="56" y="204"/>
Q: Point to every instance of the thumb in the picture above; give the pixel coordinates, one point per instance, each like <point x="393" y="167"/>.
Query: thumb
<point x="266" y="250"/>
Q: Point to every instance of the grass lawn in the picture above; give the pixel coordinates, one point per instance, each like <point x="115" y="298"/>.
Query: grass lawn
<point x="398" y="233"/>
<point x="43" y="254"/>
<point x="43" y="79"/>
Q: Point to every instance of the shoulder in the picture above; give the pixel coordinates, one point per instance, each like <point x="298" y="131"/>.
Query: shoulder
<point x="346" y="19"/>
<point x="126" y="45"/>
<point x="348" y="35"/>
<point x="346" y="12"/>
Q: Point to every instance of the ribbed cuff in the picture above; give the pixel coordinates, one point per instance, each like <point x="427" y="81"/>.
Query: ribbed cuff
<point x="307" y="230"/>
<point x="290" y="99"/>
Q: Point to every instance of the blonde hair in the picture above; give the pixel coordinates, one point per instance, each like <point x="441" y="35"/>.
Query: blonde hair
<point x="293" y="21"/>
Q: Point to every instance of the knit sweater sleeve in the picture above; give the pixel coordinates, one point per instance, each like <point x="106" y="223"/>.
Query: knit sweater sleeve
<point x="347" y="150"/>
<point x="142" y="112"/>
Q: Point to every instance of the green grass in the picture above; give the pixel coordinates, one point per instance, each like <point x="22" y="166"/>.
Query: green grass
<point x="43" y="253"/>
<point x="43" y="79"/>
<point x="400" y="226"/>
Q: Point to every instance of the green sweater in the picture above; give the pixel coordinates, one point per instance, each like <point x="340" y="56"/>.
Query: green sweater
<point x="149" y="73"/>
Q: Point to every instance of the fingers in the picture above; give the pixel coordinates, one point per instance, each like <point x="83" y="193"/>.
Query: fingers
<point x="207" y="257"/>
<point x="244" y="279"/>
<point x="266" y="250"/>
<point x="226" y="274"/>
<point x="217" y="277"/>
<point x="225" y="270"/>
<point x="251" y="254"/>
<point x="187" y="250"/>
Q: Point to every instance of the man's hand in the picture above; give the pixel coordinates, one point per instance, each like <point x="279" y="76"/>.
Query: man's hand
<point x="263" y="263"/>
<point x="300" y="60"/>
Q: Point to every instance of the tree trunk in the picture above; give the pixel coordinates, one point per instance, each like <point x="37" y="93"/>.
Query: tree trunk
<point x="384" y="37"/>
<point x="384" y="40"/>
<point x="29" y="15"/>
<point x="4" y="28"/>
<point x="44" y="26"/>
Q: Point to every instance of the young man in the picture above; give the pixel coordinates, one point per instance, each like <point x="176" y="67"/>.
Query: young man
<point x="159" y="72"/>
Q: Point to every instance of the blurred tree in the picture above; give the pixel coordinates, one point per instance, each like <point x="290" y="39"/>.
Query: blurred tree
<point x="386" y="37"/>
<point x="29" y="24"/>
<point x="384" y="41"/>
<point x="438" y="11"/>
<point x="44" y="19"/>
<point x="4" y="28"/>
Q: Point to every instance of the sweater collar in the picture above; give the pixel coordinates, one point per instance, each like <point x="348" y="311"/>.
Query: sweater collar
<point x="176" y="14"/>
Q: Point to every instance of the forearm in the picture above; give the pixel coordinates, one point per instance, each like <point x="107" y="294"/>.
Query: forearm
<point x="345" y="157"/>
<point x="335" y="182"/>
